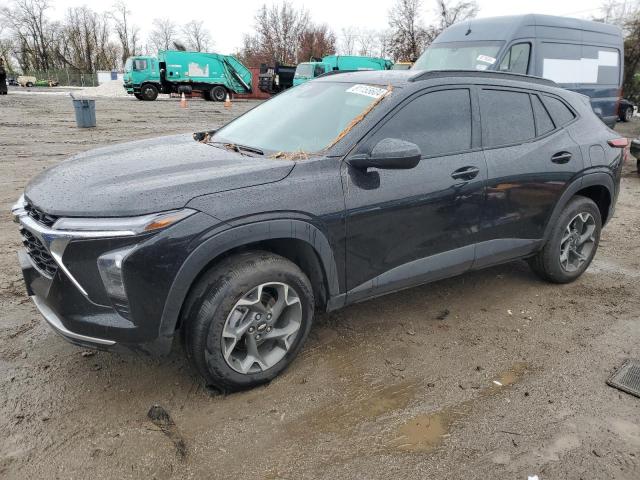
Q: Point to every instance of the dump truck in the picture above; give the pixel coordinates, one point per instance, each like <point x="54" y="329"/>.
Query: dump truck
<point x="274" y="79"/>
<point x="308" y="70"/>
<point x="211" y="75"/>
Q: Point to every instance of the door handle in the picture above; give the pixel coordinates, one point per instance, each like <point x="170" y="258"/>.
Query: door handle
<point x="561" y="157"/>
<point x="465" y="173"/>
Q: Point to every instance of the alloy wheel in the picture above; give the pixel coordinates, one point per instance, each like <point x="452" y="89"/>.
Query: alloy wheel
<point x="577" y="242"/>
<point x="261" y="327"/>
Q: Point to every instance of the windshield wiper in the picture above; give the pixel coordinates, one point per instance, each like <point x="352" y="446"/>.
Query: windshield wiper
<point x="234" y="147"/>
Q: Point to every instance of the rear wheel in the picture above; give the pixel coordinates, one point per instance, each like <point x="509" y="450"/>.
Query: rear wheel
<point x="218" y="93"/>
<point x="29" y="84"/>
<point x="247" y="319"/>
<point x="572" y="244"/>
<point x="149" y="92"/>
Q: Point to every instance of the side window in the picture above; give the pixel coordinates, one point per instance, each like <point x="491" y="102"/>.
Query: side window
<point x="517" y="59"/>
<point x="559" y="111"/>
<point x="507" y="117"/>
<point x="543" y="120"/>
<point x="438" y="122"/>
<point x="567" y="63"/>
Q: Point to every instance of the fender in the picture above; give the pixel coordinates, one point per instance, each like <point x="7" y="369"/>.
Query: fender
<point x="234" y="237"/>
<point x="587" y="180"/>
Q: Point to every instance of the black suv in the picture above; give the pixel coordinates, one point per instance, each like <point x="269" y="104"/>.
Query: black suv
<point x="341" y="189"/>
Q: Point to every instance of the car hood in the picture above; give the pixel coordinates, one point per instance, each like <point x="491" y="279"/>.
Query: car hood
<point x="147" y="176"/>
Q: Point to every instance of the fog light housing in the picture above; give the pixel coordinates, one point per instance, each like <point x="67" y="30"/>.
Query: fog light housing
<point x="110" y="268"/>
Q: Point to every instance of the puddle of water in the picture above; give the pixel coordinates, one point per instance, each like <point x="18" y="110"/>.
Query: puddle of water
<point x="425" y="432"/>
<point x="367" y="404"/>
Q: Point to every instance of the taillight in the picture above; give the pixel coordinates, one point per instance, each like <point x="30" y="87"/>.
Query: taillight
<point x="619" y="142"/>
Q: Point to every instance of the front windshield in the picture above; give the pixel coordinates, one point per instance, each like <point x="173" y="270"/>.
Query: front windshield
<point x="306" y="118"/>
<point x="459" y="56"/>
<point x="128" y="64"/>
<point x="304" y="70"/>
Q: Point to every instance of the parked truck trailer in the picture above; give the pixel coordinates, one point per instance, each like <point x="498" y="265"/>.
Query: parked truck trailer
<point x="310" y="70"/>
<point x="212" y="75"/>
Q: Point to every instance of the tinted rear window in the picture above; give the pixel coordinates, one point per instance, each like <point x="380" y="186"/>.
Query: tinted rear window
<point x="507" y="117"/>
<point x="438" y="122"/>
<point x="543" y="121"/>
<point x="559" y="111"/>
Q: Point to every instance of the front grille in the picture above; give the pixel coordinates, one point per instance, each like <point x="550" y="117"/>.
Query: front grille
<point x="39" y="216"/>
<point x="38" y="253"/>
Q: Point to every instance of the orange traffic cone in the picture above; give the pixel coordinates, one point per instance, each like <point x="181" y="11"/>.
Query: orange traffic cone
<point x="227" y="102"/>
<point x="183" y="101"/>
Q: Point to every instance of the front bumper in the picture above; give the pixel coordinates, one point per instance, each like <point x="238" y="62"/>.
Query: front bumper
<point x="72" y="296"/>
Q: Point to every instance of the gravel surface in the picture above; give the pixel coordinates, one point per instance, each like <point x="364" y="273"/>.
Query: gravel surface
<point x="403" y="386"/>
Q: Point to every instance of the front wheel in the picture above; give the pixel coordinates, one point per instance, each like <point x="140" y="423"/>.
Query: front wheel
<point x="572" y="244"/>
<point x="149" y="92"/>
<point x="247" y="319"/>
<point x="138" y="96"/>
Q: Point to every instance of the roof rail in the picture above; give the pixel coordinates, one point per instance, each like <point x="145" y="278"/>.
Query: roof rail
<point x="483" y="74"/>
<point x="334" y="72"/>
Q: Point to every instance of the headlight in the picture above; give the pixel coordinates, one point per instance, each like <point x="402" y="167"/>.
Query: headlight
<point x="123" y="226"/>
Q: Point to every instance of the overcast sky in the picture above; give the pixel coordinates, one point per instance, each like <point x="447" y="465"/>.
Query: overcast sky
<point x="238" y="16"/>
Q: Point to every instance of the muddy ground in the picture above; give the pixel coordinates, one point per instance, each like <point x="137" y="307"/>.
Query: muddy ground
<point x="399" y="387"/>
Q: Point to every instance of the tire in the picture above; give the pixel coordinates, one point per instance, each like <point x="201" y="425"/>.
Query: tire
<point x="218" y="93"/>
<point x="548" y="263"/>
<point x="627" y="114"/>
<point x="138" y="96"/>
<point x="212" y="309"/>
<point x="149" y="92"/>
<point x="29" y="84"/>
<point x="638" y="166"/>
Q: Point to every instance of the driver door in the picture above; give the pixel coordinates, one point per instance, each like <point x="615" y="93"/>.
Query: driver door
<point x="405" y="227"/>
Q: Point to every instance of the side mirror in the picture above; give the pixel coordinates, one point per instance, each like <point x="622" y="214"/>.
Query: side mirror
<point x="389" y="153"/>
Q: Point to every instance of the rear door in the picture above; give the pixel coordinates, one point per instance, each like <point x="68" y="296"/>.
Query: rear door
<point x="530" y="160"/>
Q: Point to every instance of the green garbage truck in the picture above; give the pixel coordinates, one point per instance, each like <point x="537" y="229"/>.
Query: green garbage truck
<point x="212" y="75"/>
<point x="309" y="70"/>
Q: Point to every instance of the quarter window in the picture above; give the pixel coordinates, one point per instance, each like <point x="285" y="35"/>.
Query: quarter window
<point x="543" y="120"/>
<point x="517" y="59"/>
<point x="559" y="111"/>
<point x="507" y="117"/>
<point x="438" y="122"/>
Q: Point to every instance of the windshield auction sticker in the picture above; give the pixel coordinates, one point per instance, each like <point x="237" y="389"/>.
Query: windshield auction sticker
<point x="486" y="59"/>
<point x="367" y="91"/>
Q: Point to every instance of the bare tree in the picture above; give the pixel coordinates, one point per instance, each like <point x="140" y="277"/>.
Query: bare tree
<point x="197" y="37"/>
<point x="127" y="34"/>
<point x="450" y="13"/>
<point x="316" y="41"/>
<point x="348" y="38"/>
<point x="408" y="34"/>
<point x="33" y="32"/>
<point x="279" y="29"/>
<point x="367" y="43"/>
<point x="164" y="33"/>
<point x="86" y="45"/>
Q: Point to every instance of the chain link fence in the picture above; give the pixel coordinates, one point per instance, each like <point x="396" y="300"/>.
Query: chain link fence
<point x="66" y="78"/>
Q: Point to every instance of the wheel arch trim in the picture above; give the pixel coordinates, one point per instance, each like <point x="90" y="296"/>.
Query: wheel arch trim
<point x="235" y="237"/>
<point x="588" y="180"/>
